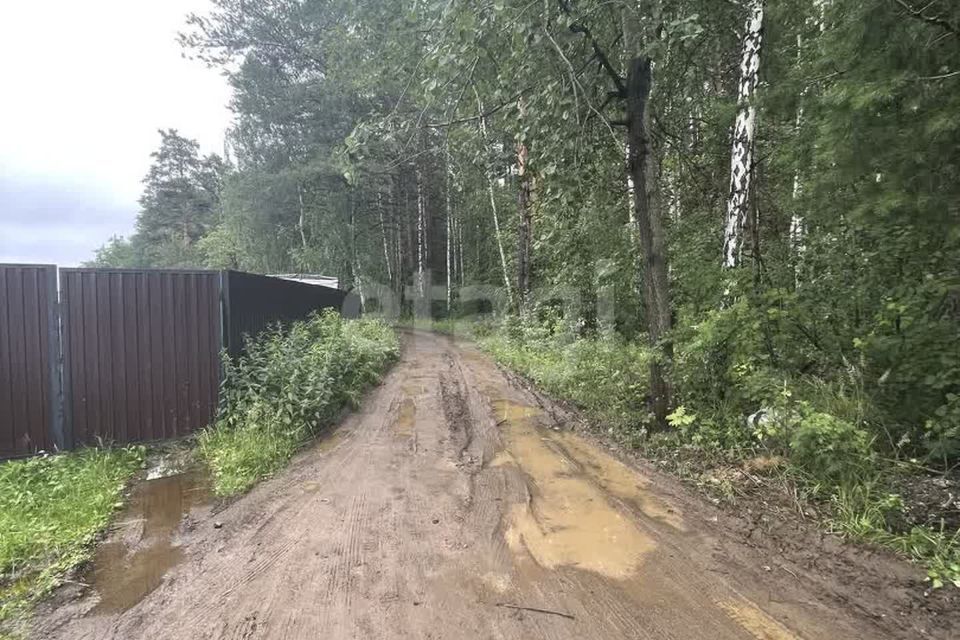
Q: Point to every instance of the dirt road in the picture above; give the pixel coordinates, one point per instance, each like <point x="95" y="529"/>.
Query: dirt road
<point x="449" y="507"/>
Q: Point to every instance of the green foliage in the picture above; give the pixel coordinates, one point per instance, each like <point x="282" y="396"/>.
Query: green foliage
<point x="119" y="253"/>
<point x="52" y="509"/>
<point x="680" y="419"/>
<point x="287" y="386"/>
<point x="833" y="450"/>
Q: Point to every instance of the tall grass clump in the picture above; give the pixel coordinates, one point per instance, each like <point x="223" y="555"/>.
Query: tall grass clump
<point x="289" y="384"/>
<point x="52" y="508"/>
<point x="606" y="376"/>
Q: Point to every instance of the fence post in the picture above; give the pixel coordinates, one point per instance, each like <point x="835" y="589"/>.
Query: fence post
<point x="58" y="417"/>
<point x="224" y="312"/>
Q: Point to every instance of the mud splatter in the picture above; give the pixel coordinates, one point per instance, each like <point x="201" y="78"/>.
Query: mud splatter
<point x="131" y="565"/>
<point x="756" y="622"/>
<point x="568" y="520"/>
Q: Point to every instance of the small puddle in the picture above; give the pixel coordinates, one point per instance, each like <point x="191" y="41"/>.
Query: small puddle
<point x="568" y="521"/>
<point x="141" y="551"/>
<point x="404" y="423"/>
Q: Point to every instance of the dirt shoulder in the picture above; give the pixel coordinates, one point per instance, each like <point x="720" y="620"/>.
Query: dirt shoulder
<point x="457" y="504"/>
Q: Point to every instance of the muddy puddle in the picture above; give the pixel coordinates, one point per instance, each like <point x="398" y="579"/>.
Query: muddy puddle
<point x="619" y="480"/>
<point x="404" y="424"/>
<point x="142" y="549"/>
<point x="570" y="519"/>
<point x="405" y="418"/>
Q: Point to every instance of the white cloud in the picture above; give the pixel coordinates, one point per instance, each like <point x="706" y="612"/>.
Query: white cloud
<point x="84" y="86"/>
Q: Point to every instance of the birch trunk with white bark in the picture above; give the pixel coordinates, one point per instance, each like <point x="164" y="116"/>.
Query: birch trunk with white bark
<point x="449" y="208"/>
<point x="741" y="157"/>
<point x="383" y="233"/>
<point x="420" y="233"/>
<point x="493" y="205"/>
<point x="302" y="222"/>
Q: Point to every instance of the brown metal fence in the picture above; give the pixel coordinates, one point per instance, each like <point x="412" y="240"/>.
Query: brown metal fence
<point x="251" y="303"/>
<point x="141" y="352"/>
<point x="127" y="355"/>
<point x="29" y="396"/>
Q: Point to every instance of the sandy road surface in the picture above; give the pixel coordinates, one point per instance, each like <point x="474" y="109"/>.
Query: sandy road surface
<point x="448" y="507"/>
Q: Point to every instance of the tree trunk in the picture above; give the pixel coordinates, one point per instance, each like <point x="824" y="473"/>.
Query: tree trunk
<point x="524" y="222"/>
<point x="383" y="233"/>
<point x="493" y="206"/>
<point x="449" y="208"/>
<point x="524" y="202"/>
<point x="741" y="157"/>
<point x="460" y="249"/>
<point x="357" y="277"/>
<point x="643" y="170"/>
<point x="499" y="238"/>
<point x="301" y="223"/>
<point x="404" y="242"/>
<point x="420" y="233"/>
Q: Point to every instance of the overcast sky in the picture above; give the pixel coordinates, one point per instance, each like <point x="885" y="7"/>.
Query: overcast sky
<point x="84" y="86"/>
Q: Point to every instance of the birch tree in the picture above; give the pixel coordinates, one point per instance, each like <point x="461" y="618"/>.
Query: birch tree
<point x="744" y="130"/>
<point x="482" y="124"/>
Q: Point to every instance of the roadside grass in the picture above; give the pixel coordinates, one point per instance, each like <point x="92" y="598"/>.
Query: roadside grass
<point x="863" y="512"/>
<point x="284" y="389"/>
<point x="816" y="433"/>
<point x="604" y="376"/>
<point x="52" y="509"/>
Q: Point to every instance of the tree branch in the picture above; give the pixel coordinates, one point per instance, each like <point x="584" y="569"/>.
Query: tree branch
<point x="484" y="115"/>
<point x="941" y="76"/>
<point x="920" y="14"/>
<point x="597" y="50"/>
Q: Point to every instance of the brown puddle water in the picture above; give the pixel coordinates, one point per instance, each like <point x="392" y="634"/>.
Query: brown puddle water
<point x="619" y="479"/>
<point x="408" y="411"/>
<point x="568" y="521"/>
<point x="141" y="551"/>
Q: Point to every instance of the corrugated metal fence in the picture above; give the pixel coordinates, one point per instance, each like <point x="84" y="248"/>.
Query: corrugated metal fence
<point x="140" y="352"/>
<point x="139" y="349"/>
<point x="252" y="302"/>
<point x="29" y="380"/>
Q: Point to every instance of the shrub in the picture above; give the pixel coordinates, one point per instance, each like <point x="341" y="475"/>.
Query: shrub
<point x="834" y="451"/>
<point x="287" y="386"/>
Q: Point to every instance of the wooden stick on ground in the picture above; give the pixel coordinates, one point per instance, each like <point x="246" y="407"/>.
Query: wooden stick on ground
<point x="547" y="611"/>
